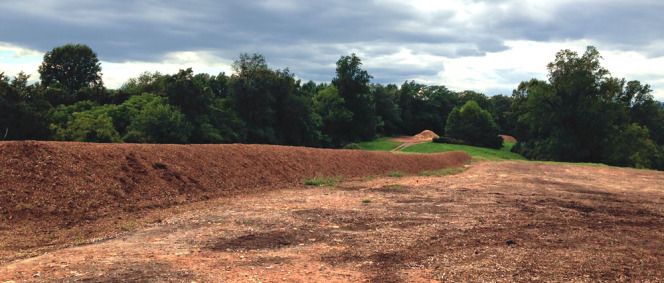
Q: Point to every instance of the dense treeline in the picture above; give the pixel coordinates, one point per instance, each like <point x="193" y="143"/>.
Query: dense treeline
<point x="581" y="114"/>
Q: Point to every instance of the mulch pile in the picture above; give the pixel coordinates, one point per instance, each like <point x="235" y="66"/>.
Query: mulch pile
<point x="425" y="135"/>
<point x="64" y="183"/>
<point x="508" y="138"/>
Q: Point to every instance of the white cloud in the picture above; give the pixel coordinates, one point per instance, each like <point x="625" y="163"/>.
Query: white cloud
<point x="16" y="59"/>
<point x="527" y="59"/>
<point x="116" y="74"/>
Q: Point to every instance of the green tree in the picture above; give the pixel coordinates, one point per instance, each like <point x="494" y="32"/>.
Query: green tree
<point x="387" y="109"/>
<point x="584" y="115"/>
<point x="272" y="105"/>
<point x="75" y="69"/>
<point x="84" y="121"/>
<point x="158" y="122"/>
<point x="472" y="125"/>
<point x="425" y="107"/>
<point x="297" y="122"/>
<point x="202" y="98"/>
<point x="479" y="98"/>
<point x="352" y="82"/>
<point x="253" y="98"/>
<point x="500" y="106"/>
<point x="24" y="111"/>
<point x="334" y="116"/>
<point x="88" y="127"/>
<point x="630" y="146"/>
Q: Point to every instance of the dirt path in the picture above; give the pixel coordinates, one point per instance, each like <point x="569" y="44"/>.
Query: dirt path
<point x="508" y="221"/>
<point x="406" y="142"/>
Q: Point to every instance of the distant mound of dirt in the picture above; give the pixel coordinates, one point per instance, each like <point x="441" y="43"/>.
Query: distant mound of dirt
<point x="425" y="135"/>
<point x="508" y="138"/>
<point x="60" y="184"/>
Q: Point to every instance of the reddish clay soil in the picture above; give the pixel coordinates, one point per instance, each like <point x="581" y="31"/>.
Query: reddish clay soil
<point x="508" y="138"/>
<point x="496" y="221"/>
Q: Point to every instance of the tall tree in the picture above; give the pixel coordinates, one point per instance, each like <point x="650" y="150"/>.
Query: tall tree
<point x="425" y="107"/>
<point x="24" y="112"/>
<point x="352" y="82"/>
<point x="581" y="115"/>
<point x="472" y="125"/>
<point x="72" y="68"/>
<point x="387" y="109"/>
<point x="334" y="116"/>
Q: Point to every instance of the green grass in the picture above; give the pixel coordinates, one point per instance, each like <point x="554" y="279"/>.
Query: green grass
<point x="366" y="201"/>
<point x="442" y="172"/>
<point x="481" y="152"/>
<point x="128" y="226"/>
<point x="478" y="153"/>
<point x="580" y="164"/>
<point x="321" y="180"/>
<point x="368" y="178"/>
<point x="395" y="174"/>
<point x="381" y="144"/>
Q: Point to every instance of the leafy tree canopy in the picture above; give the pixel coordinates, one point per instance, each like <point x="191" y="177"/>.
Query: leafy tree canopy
<point x="71" y="67"/>
<point x="472" y="125"/>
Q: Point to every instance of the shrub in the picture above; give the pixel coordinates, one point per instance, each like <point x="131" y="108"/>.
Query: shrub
<point x="471" y="125"/>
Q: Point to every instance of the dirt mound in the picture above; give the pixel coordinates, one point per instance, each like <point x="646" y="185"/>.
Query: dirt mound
<point x="425" y="135"/>
<point x="57" y="185"/>
<point x="508" y="138"/>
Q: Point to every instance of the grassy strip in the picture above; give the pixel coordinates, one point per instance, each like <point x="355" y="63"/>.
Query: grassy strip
<point x="487" y="153"/>
<point x="580" y="164"/>
<point x="395" y="174"/>
<point x="321" y="180"/>
<point x="381" y="144"/>
<point x="442" y="172"/>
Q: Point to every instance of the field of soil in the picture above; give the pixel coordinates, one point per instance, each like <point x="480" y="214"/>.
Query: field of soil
<point x="496" y="221"/>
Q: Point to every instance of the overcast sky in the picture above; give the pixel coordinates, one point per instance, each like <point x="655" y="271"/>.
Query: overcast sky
<point x="486" y="46"/>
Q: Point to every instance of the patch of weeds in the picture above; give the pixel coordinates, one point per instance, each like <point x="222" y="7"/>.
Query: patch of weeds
<point x="395" y="174"/>
<point x="442" y="172"/>
<point x="394" y="186"/>
<point x="128" y="226"/>
<point x="79" y="239"/>
<point x="367" y="179"/>
<point x="366" y="201"/>
<point x="321" y="180"/>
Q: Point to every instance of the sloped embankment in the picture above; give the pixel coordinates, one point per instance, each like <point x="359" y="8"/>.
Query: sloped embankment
<point x="67" y="183"/>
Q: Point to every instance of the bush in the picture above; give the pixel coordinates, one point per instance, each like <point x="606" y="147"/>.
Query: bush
<point x="471" y="125"/>
<point x="449" y="140"/>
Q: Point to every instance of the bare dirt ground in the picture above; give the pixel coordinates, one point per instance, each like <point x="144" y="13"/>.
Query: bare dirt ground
<point x="497" y="221"/>
<point x="53" y="194"/>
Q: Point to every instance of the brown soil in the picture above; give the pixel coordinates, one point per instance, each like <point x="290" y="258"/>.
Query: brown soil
<point x="52" y="193"/>
<point x="497" y="221"/>
<point x="508" y="138"/>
